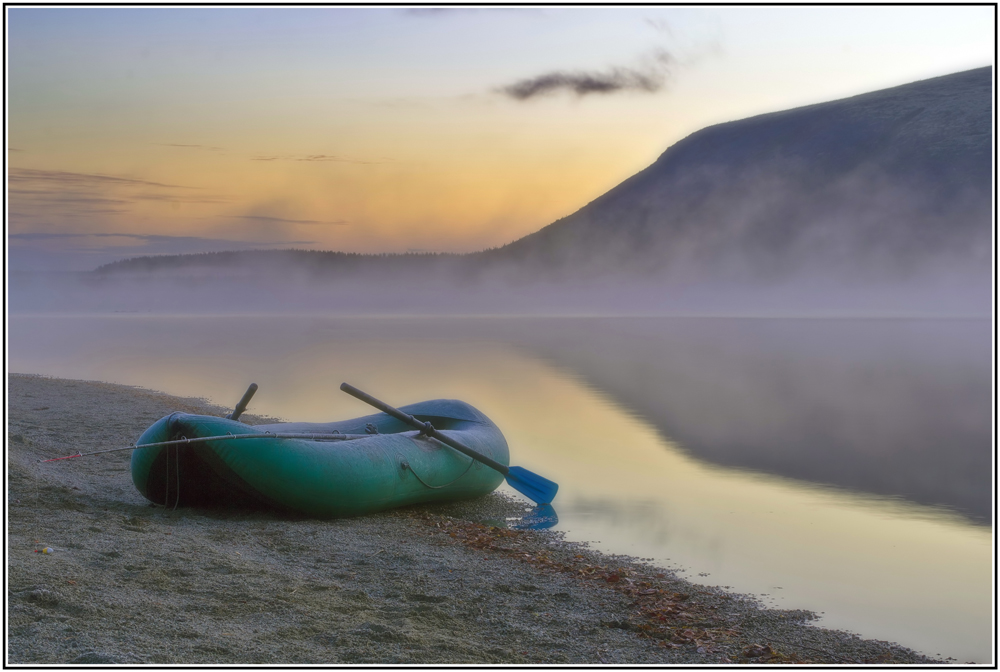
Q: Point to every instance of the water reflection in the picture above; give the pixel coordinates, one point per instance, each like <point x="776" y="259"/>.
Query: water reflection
<point x="895" y="408"/>
<point x="541" y="517"/>
<point x="596" y="404"/>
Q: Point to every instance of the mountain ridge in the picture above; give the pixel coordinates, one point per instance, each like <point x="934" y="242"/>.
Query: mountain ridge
<point x="929" y="141"/>
<point x="882" y="185"/>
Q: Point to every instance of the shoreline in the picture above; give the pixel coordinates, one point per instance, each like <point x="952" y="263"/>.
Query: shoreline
<point x="133" y="583"/>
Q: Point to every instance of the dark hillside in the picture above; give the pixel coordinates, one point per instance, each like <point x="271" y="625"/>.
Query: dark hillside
<point x="886" y="182"/>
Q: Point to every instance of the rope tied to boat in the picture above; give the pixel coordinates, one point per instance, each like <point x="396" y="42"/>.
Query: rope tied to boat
<point x="177" y="477"/>
<point x="405" y="466"/>
<point x="177" y="462"/>
<point x="332" y="436"/>
<point x="371" y="429"/>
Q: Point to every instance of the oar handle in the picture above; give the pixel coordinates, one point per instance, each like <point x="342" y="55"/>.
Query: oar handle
<point x="242" y="406"/>
<point x="413" y="422"/>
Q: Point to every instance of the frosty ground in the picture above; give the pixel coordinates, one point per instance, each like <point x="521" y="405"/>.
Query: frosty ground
<point x="132" y="583"/>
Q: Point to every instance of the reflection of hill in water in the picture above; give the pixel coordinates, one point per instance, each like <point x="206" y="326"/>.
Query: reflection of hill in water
<point x="894" y="408"/>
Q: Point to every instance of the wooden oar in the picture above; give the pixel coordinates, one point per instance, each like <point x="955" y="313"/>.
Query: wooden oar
<point x="534" y="487"/>
<point x="242" y="406"/>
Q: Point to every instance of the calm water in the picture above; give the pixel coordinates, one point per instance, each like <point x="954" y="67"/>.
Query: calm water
<point x="833" y="465"/>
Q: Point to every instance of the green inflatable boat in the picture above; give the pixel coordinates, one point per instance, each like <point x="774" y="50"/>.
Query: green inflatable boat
<point x="351" y="467"/>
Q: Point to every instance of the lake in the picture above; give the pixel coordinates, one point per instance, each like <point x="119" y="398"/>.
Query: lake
<point x="842" y="466"/>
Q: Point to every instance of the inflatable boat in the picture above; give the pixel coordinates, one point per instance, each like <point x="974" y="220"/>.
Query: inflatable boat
<point x="321" y="470"/>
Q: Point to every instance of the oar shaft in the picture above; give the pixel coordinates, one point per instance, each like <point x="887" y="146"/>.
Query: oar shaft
<point x="413" y="422"/>
<point x="242" y="406"/>
<point x="266" y="435"/>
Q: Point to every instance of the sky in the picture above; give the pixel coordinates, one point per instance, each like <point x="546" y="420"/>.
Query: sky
<point x="163" y="130"/>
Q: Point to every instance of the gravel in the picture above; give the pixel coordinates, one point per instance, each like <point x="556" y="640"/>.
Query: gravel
<point x="127" y="582"/>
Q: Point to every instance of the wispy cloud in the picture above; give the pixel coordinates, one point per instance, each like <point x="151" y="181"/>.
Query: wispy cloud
<point x="151" y="238"/>
<point x="22" y="175"/>
<point x="75" y="199"/>
<point x="312" y="157"/>
<point x="326" y="157"/>
<point x="283" y="220"/>
<point x="182" y="146"/>
<point x="433" y="12"/>
<point x="178" y="198"/>
<point x="85" y="251"/>
<point x="66" y="236"/>
<point x="650" y="77"/>
<point x="46" y="195"/>
<point x="660" y="26"/>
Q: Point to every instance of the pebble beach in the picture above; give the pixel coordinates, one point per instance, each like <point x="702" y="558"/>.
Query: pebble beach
<point x="99" y="575"/>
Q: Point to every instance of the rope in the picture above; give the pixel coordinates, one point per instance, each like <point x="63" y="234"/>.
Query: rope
<point x="336" y="436"/>
<point x="177" y="475"/>
<point x="166" y="481"/>
<point x="177" y="458"/>
<point x="406" y="465"/>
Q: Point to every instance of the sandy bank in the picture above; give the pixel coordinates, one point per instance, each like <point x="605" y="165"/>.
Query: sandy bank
<point x="131" y="583"/>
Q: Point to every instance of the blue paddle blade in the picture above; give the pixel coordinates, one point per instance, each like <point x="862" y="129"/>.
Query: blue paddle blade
<point x="531" y="485"/>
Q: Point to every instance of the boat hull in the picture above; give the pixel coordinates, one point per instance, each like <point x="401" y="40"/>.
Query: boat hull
<point x="323" y="479"/>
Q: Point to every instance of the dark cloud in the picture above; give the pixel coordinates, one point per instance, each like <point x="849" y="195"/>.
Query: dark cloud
<point x="583" y="83"/>
<point x="647" y="79"/>
<point x="283" y="220"/>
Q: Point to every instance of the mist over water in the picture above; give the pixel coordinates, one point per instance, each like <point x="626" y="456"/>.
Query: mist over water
<point x="899" y="408"/>
<point x="459" y="286"/>
<point x="846" y="461"/>
<point x="893" y="407"/>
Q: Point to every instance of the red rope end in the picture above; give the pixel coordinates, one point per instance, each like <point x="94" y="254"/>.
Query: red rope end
<point x="63" y="458"/>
